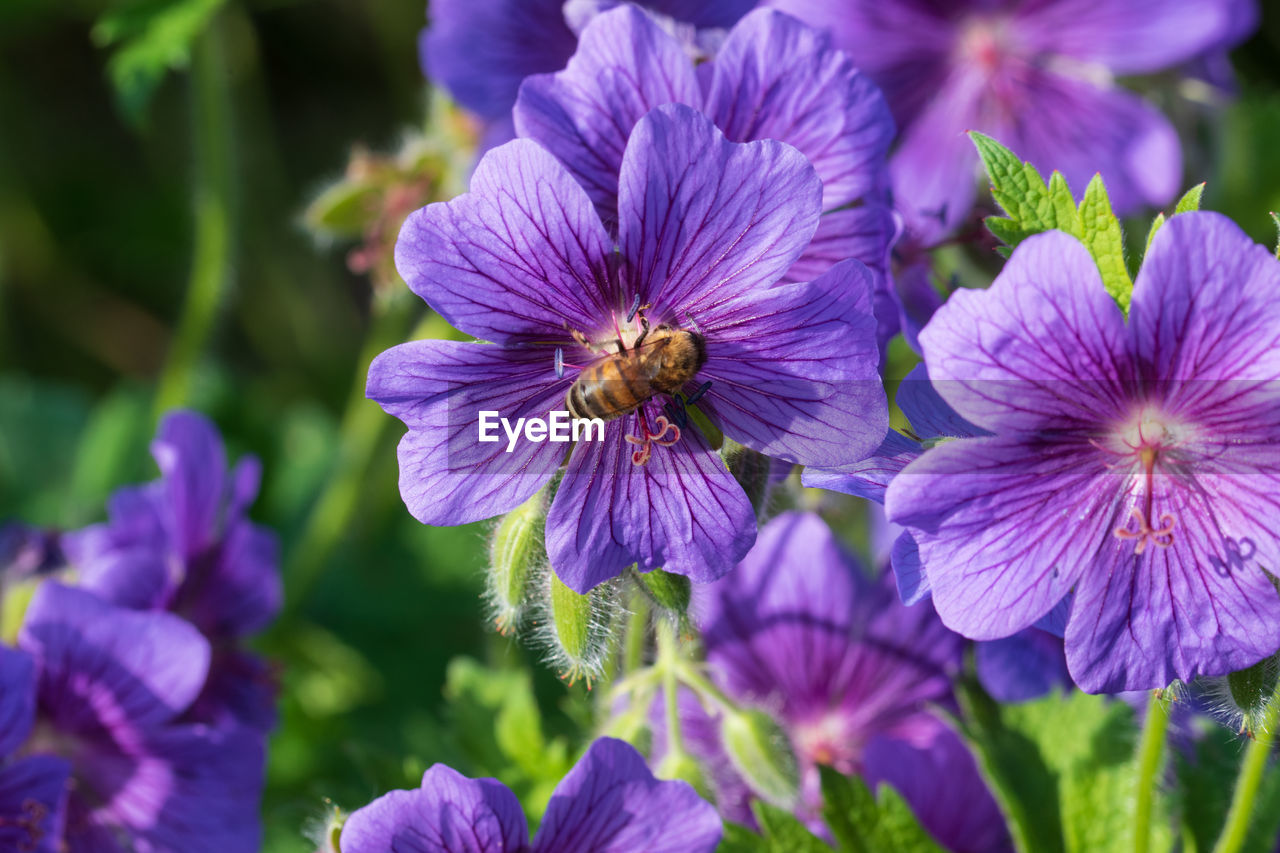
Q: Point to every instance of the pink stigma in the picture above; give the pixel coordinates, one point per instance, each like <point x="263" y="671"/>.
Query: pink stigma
<point x="647" y="439"/>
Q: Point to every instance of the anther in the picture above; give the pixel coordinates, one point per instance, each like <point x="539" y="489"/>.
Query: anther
<point x="635" y="306"/>
<point x="559" y="363"/>
<point x="697" y="395"/>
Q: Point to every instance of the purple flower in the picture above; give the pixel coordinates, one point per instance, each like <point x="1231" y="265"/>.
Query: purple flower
<point x="481" y="50"/>
<point x="772" y="78"/>
<point x="608" y="803"/>
<point x="1036" y="74"/>
<point x="1134" y="464"/>
<point x="185" y="543"/>
<point x="706" y="228"/>
<point x="850" y="674"/>
<point x="106" y="687"/>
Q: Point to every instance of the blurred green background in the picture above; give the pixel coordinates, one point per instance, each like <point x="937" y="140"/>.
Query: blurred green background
<point x="224" y="121"/>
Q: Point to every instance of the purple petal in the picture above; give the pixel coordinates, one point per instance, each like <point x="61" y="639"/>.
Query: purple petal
<point x="33" y="796"/>
<point x="129" y="560"/>
<point x="193" y="465"/>
<point x="795" y="370"/>
<point x="480" y="50"/>
<point x="448" y="814"/>
<point x="1080" y="129"/>
<point x="705" y="220"/>
<point x="681" y="511"/>
<point x="236" y="591"/>
<point x="246" y="478"/>
<point x="703" y="13"/>
<point x="865" y="233"/>
<point x="102" y="666"/>
<point x="1005" y="526"/>
<point x="240" y="691"/>
<point x="870" y="477"/>
<point x="17" y="698"/>
<point x="610" y="803"/>
<point x="521" y="257"/>
<point x="439" y="389"/>
<point x="929" y="414"/>
<point x="1136" y="36"/>
<point x="1139" y="621"/>
<point x="937" y="776"/>
<point x="908" y="570"/>
<point x="1024" y="666"/>
<point x="189" y="788"/>
<point x="776" y="78"/>
<point x="915" y="298"/>
<point x="1044" y="347"/>
<point x="625" y="65"/>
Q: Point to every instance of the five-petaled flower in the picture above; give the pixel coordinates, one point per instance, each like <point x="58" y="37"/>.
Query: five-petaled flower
<point x="706" y="229"/>
<point x="1135" y="465"/>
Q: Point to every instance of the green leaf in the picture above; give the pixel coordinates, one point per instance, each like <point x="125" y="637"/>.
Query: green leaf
<point x="1032" y="207"/>
<point x="345" y="209"/>
<point x="739" y="839"/>
<point x="1156" y="225"/>
<point x="1275" y="217"/>
<point x="860" y="824"/>
<point x="783" y="833"/>
<point x="154" y="37"/>
<point x="1101" y="235"/>
<point x="1190" y="200"/>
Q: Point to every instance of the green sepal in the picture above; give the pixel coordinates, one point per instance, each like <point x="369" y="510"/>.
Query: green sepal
<point x="1156" y="225"/>
<point x="751" y="469"/>
<point x="761" y="752"/>
<point x="1251" y="690"/>
<point x="1190" y="200"/>
<point x="669" y="591"/>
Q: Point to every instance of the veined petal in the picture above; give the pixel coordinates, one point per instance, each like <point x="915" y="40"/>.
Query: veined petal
<point x="33" y="798"/>
<point x="776" y="78"/>
<point x="795" y="369"/>
<point x="439" y="389"/>
<point x="1134" y="36"/>
<point x="929" y="414"/>
<point x="17" y="698"/>
<point x="1024" y="666"/>
<point x="480" y="50"/>
<point x="1044" y="347"/>
<point x="681" y="511"/>
<point x="704" y="220"/>
<point x="448" y="814"/>
<point x="610" y="803"/>
<point x="522" y="257"/>
<point x="865" y="233"/>
<point x="870" y="477"/>
<point x="237" y="591"/>
<point x="102" y="666"/>
<point x="1203" y="606"/>
<point x="193" y="462"/>
<point x="908" y="571"/>
<point x="625" y="65"/>
<point x="1005" y="526"/>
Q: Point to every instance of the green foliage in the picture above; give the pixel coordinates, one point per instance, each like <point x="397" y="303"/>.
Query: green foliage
<point x="153" y="37"/>
<point x="1190" y="201"/>
<point x="863" y="823"/>
<point x="1205" y="780"/>
<point x="1032" y="207"/>
<point x="1275" y="217"/>
<point x="761" y="752"/>
<point x="782" y="833"/>
<point x="1064" y="770"/>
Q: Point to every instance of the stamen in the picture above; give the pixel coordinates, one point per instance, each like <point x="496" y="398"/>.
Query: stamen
<point x="697" y="395"/>
<point x="559" y="363"/>
<point x="34" y="812"/>
<point x="635" y="306"/>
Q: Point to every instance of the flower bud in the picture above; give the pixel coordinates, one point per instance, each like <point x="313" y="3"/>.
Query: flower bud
<point x="669" y="591"/>
<point x="1246" y="695"/>
<point x="578" y="635"/>
<point x="761" y="753"/>
<point x="515" y="549"/>
<point x="750" y="469"/>
<point x="326" y="830"/>
<point x="681" y="765"/>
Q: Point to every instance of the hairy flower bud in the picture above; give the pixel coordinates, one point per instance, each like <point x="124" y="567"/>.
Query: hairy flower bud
<point x="515" y="549"/>
<point x="669" y="591"/>
<point x="1243" y="698"/>
<point x="750" y="469"/>
<point x="578" y="628"/>
<point x="761" y="752"/>
<point x="325" y="831"/>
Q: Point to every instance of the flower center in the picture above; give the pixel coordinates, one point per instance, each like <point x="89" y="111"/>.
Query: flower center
<point x="1146" y="440"/>
<point x="826" y="740"/>
<point x="983" y="42"/>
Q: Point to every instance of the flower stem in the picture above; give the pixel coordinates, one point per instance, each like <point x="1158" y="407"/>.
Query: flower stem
<point x="1236" y="829"/>
<point x="213" y="141"/>
<point x="637" y="633"/>
<point x="363" y="425"/>
<point x="668" y="664"/>
<point x="1150" y="751"/>
<point x="690" y="675"/>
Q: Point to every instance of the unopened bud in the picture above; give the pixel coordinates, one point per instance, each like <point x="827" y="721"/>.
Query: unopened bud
<point x="681" y="765"/>
<point x="515" y="549"/>
<point x="325" y="832"/>
<point x="579" y="635"/>
<point x="750" y="469"/>
<point x="1248" y="694"/>
<point x="669" y="591"/>
<point x="761" y="753"/>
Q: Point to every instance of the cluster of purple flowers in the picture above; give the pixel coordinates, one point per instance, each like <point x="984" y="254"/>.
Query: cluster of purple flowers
<point x="130" y="719"/>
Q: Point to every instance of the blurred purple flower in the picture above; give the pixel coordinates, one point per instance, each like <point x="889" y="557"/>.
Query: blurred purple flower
<point x="481" y="50"/>
<point x="185" y="543"/>
<point x="1038" y="75"/>
<point x="27" y="551"/>
<point x="608" y="803"/>
<point x="91" y="701"/>
<point x="772" y="78"/>
<point x="852" y="676"/>
<point x="706" y="229"/>
<point x="1134" y="464"/>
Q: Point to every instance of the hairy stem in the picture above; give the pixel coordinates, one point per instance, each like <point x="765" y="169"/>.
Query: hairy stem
<point x="213" y="140"/>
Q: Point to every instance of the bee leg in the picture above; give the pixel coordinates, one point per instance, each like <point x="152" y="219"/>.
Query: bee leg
<point x="697" y="395"/>
<point x="693" y="324"/>
<point x="581" y="340"/>
<point x="644" y="332"/>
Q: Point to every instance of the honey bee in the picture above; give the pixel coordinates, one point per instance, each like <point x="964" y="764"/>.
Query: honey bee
<point x="661" y="361"/>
